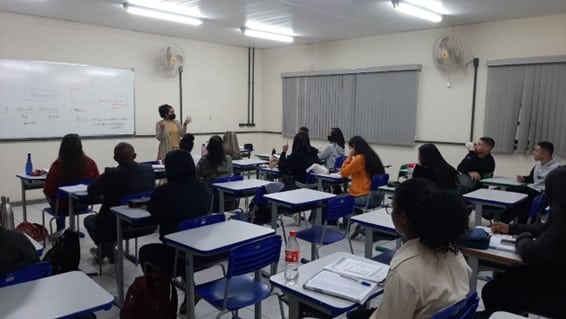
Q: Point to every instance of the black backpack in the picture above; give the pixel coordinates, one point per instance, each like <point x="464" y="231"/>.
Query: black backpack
<point x="65" y="255"/>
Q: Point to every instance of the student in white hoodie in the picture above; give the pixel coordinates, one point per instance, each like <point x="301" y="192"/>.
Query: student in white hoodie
<point x="544" y="155"/>
<point x="334" y="149"/>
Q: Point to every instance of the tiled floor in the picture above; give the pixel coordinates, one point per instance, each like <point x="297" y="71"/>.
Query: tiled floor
<point x="203" y="310"/>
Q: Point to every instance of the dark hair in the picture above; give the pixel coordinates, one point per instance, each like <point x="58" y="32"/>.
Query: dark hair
<point x="179" y="165"/>
<point x="337" y="137"/>
<point x="555" y="186"/>
<point x="124" y="153"/>
<point x="431" y="158"/>
<point x="301" y="142"/>
<point x="547" y="146"/>
<point x="488" y="140"/>
<point x="374" y="165"/>
<point x="215" y="151"/>
<point x="163" y="109"/>
<point x="438" y="218"/>
<point x="187" y="142"/>
<point x="72" y="158"/>
<point x="303" y="129"/>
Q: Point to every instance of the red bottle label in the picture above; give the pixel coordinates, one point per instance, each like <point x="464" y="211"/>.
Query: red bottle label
<point x="292" y="256"/>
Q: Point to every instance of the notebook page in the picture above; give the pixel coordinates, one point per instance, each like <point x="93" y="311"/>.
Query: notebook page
<point x="359" y="269"/>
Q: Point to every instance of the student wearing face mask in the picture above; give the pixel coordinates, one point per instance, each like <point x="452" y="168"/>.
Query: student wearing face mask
<point x="168" y="131"/>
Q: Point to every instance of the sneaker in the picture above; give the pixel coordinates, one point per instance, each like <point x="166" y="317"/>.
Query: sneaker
<point x="96" y="253"/>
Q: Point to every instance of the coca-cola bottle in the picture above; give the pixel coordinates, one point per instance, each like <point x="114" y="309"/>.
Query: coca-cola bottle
<point x="292" y="257"/>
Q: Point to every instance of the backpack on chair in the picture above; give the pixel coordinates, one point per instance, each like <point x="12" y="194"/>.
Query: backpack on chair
<point x="66" y="253"/>
<point x="151" y="296"/>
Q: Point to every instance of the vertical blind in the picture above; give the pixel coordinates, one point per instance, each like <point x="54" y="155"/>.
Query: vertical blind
<point x="377" y="103"/>
<point x="526" y="103"/>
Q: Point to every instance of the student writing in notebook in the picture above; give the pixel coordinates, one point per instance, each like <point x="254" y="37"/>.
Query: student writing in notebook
<point x="428" y="273"/>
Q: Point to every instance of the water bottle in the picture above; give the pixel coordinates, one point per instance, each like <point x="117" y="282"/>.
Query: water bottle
<point x="273" y="152"/>
<point x="203" y="150"/>
<point x="29" y="165"/>
<point x="410" y="170"/>
<point x="7" y="213"/>
<point x="292" y="257"/>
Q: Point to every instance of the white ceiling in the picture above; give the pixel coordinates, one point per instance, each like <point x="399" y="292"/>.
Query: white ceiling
<point x="311" y="20"/>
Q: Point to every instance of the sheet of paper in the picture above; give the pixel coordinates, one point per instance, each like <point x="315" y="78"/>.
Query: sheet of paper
<point x="334" y="284"/>
<point x="359" y="269"/>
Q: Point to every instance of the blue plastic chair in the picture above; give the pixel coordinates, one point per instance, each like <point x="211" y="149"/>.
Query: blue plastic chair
<point x="464" y="309"/>
<point x="28" y="273"/>
<point x="339" y="207"/>
<point x="376" y="181"/>
<point x="54" y="210"/>
<point x="237" y="289"/>
<point x="339" y="161"/>
<point x="538" y="208"/>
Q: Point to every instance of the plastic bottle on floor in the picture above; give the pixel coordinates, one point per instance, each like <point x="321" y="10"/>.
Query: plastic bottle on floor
<point x="292" y="258"/>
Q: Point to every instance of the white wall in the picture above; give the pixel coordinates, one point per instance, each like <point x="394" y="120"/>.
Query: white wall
<point x="443" y="114"/>
<point x="214" y="83"/>
<point x="216" y="77"/>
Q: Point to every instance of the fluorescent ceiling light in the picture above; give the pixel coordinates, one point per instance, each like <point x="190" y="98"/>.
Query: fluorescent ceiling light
<point x="418" y="12"/>
<point x="431" y="5"/>
<point x="269" y="28"/>
<point x="267" y="35"/>
<point x="151" y="13"/>
<point x="171" y="7"/>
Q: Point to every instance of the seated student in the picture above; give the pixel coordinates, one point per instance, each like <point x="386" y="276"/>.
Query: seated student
<point x="433" y="167"/>
<point x="71" y="166"/>
<point x="128" y="177"/>
<point x="187" y="143"/>
<point x="538" y="286"/>
<point x="215" y="163"/>
<point x="231" y="146"/>
<point x="300" y="159"/>
<point x="183" y="197"/>
<point x="334" y="149"/>
<point x="16" y="251"/>
<point x="477" y="163"/>
<point x="543" y="153"/>
<point x="304" y="129"/>
<point x="428" y="273"/>
<point x="362" y="164"/>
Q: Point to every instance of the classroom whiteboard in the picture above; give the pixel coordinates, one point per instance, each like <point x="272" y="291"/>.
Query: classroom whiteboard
<point x="46" y="99"/>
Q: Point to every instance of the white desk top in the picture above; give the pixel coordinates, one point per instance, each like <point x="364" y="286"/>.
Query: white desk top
<point x="331" y="176"/>
<point x="248" y="162"/>
<point x="299" y="196"/>
<point x="377" y="218"/>
<point x="79" y="189"/>
<point x="493" y="196"/>
<point x="130" y="214"/>
<point x="492" y="254"/>
<point x="38" y="247"/>
<point x="386" y="189"/>
<point x="243" y="185"/>
<point x="54" y="297"/>
<point x="505" y="315"/>
<point x="306" y="271"/>
<point x="29" y="177"/>
<point x="503" y="181"/>
<point x="216" y="237"/>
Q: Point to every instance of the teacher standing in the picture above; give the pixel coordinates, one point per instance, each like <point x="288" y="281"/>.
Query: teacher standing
<point x="169" y="131"/>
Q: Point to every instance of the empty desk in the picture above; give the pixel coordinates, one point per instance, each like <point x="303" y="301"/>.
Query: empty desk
<point x="378" y="220"/>
<point x="492" y="197"/>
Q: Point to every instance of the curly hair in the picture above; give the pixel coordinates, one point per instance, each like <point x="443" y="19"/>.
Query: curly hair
<point x="438" y="218"/>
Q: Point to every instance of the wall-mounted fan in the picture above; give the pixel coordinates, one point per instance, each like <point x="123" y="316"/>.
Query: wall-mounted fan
<point x="448" y="53"/>
<point x="170" y="60"/>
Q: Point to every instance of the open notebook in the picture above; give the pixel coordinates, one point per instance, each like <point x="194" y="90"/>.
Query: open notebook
<point x="349" y="278"/>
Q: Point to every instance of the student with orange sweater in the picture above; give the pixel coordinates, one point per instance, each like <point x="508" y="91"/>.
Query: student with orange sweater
<point x="362" y="163"/>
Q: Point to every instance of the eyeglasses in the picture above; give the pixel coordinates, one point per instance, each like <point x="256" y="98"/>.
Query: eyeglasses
<point x="388" y="209"/>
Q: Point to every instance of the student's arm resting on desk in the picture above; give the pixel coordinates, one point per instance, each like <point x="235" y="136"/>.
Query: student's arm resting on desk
<point x="325" y="153"/>
<point x="352" y="165"/>
<point x="542" y="251"/>
<point x="52" y="181"/>
<point x="528" y="178"/>
<point x="98" y="186"/>
<point x="399" y="299"/>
